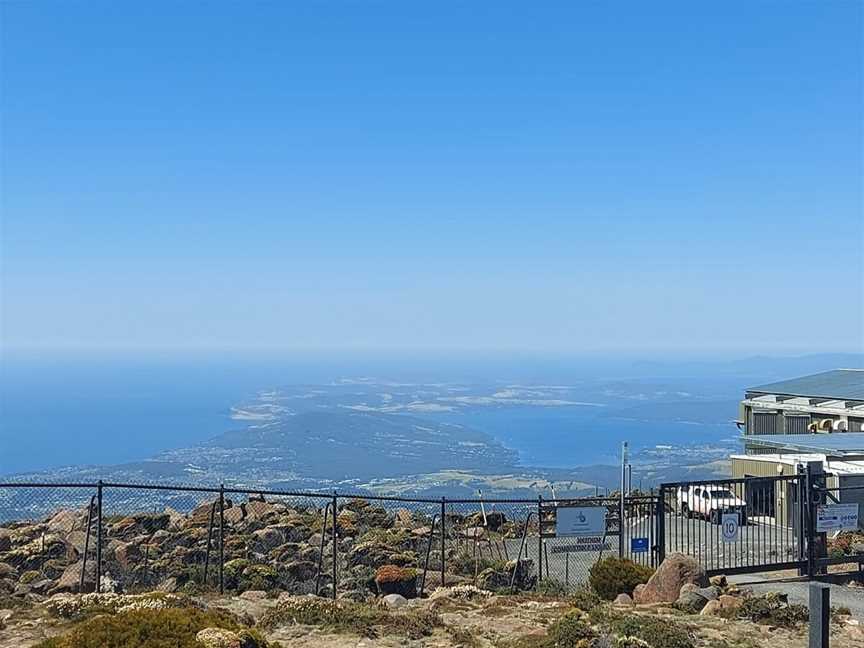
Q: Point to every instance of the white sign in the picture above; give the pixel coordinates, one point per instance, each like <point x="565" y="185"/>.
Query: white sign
<point x="836" y="517"/>
<point x="729" y="524"/>
<point x="580" y="521"/>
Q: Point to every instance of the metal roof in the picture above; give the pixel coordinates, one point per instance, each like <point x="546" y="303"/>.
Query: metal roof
<point x="840" y="384"/>
<point x="839" y="444"/>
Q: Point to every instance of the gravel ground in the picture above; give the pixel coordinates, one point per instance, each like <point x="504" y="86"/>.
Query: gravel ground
<point x="798" y="592"/>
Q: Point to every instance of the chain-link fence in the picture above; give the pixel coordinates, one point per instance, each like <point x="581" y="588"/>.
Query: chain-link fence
<point x="132" y="537"/>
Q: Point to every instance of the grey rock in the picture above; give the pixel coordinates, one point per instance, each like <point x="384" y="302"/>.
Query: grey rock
<point x="395" y="601"/>
<point x="691" y="602"/>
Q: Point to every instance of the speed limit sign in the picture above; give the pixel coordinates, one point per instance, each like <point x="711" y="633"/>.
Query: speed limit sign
<point x="729" y="523"/>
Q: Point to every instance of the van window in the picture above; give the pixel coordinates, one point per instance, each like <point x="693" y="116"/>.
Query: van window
<point x="722" y="493"/>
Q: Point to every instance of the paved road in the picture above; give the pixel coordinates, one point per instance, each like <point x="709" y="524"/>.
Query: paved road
<point x="798" y="592"/>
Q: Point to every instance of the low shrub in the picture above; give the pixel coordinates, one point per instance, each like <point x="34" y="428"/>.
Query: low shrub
<point x="391" y="579"/>
<point x="551" y="587"/>
<point x="70" y="606"/>
<point x="573" y="630"/>
<point x="613" y="576"/>
<point x="772" y="608"/>
<point x="150" y="628"/>
<point x="585" y="599"/>
<point x="656" y="632"/>
<point x="464" y="564"/>
<point x="350" y="617"/>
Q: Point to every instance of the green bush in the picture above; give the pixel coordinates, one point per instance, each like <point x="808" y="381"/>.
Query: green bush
<point x="613" y="576"/>
<point x="573" y="630"/>
<point x="657" y="633"/>
<point x="585" y="599"/>
<point x="391" y="579"/>
<point x="349" y="617"/>
<point x="147" y="628"/>
<point x="551" y="587"/>
<point x="463" y="564"/>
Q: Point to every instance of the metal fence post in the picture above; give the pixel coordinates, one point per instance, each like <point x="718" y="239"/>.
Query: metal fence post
<point x="816" y="542"/>
<point x="86" y="543"/>
<point x="820" y="614"/>
<point x="800" y="531"/>
<point x="335" y="545"/>
<point x="443" y="539"/>
<point x="660" y="508"/>
<point x="99" y="536"/>
<point x="221" y="538"/>
<point x="539" y="538"/>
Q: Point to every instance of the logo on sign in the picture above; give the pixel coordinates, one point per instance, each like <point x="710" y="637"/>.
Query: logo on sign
<point x="638" y="545"/>
<point x="580" y="521"/>
<point x="729" y="523"/>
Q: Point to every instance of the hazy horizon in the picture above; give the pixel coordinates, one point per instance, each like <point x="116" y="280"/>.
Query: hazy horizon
<point x="391" y="177"/>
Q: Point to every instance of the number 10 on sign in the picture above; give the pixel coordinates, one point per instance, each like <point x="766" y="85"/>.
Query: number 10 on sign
<point x="729" y="521"/>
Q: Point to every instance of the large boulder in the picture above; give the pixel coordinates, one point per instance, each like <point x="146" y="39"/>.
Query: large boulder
<point x="70" y="579"/>
<point x="128" y="554"/>
<point x="64" y="522"/>
<point x="665" y="584"/>
<point x="268" y="538"/>
<point x="258" y="510"/>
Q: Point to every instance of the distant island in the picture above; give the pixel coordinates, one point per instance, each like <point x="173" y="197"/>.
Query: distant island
<point x="381" y="437"/>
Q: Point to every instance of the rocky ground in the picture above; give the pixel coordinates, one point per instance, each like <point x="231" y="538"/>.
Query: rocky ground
<point x="269" y="545"/>
<point x="450" y="618"/>
<point x="157" y="596"/>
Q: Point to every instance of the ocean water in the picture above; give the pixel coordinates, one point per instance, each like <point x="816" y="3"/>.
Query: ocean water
<point x="84" y="410"/>
<point x="571" y="436"/>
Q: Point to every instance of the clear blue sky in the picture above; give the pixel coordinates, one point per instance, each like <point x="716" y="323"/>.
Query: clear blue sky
<point x="554" y="176"/>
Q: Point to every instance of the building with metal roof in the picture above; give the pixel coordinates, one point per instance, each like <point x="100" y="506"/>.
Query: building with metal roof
<point x="824" y="403"/>
<point x="839" y="384"/>
<point x="789" y="423"/>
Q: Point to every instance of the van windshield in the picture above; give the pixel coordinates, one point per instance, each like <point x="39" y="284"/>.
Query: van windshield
<point x="722" y="493"/>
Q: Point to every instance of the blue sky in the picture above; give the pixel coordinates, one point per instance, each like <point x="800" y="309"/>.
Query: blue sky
<point x="566" y="176"/>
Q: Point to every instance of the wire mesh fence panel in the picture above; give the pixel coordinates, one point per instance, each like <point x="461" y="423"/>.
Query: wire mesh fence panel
<point x="276" y="541"/>
<point x="53" y="537"/>
<point x="46" y="539"/>
<point x="158" y="537"/>
<point x="388" y="546"/>
<point x="492" y="544"/>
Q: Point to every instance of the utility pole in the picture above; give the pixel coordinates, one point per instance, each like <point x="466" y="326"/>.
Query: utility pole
<point x="621" y="500"/>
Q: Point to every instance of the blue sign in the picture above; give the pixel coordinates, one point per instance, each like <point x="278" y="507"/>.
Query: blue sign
<point x="638" y="545"/>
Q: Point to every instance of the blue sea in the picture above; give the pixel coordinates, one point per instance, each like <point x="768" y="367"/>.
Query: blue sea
<point x="76" y="409"/>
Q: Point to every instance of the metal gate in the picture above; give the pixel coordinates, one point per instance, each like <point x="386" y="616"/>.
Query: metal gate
<point x="734" y="526"/>
<point x="568" y="559"/>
